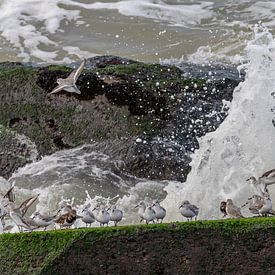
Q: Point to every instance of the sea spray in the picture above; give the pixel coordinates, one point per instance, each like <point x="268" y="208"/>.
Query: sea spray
<point x="242" y="146"/>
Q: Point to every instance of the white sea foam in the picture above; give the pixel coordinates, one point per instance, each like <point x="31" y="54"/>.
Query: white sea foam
<point x="177" y="14"/>
<point x="55" y="31"/>
<point x="35" y="28"/>
<point x="26" y="24"/>
<point x="205" y="55"/>
<point x="263" y="10"/>
<point x="241" y="146"/>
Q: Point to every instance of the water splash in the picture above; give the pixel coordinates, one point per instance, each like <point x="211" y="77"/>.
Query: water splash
<point x="241" y="146"/>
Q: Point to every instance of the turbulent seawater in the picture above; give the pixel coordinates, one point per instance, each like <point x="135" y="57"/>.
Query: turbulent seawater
<point x="62" y="31"/>
<point x="146" y="30"/>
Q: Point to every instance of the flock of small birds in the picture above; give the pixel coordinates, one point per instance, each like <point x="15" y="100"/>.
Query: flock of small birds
<point x="259" y="204"/>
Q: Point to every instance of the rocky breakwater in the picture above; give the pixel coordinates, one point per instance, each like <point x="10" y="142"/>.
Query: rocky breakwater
<point x="146" y="116"/>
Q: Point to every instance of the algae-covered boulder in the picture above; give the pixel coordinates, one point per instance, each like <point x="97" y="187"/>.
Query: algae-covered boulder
<point x="148" y="116"/>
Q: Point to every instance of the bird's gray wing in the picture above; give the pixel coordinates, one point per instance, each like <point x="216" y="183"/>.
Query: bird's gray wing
<point x="58" y="89"/>
<point x="269" y="173"/>
<point x="91" y="214"/>
<point x="194" y="208"/>
<point x="20" y="221"/>
<point x="236" y="211"/>
<point x="26" y="204"/>
<point x="72" y="89"/>
<point x="10" y="195"/>
<point x="47" y="218"/>
<point x="77" y="71"/>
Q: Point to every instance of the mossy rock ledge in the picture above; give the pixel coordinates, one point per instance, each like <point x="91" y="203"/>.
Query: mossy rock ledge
<point x="244" y="246"/>
<point x="148" y="116"/>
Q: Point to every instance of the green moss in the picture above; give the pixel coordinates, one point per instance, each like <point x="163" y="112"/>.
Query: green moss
<point x="59" y="68"/>
<point x="145" y="125"/>
<point x="32" y="252"/>
<point x="18" y="72"/>
<point x="153" y="71"/>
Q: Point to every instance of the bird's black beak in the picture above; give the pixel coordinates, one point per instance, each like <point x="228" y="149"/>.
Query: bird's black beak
<point x="136" y="206"/>
<point x="180" y="207"/>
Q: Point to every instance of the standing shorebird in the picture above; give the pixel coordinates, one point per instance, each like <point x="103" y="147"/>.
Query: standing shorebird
<point x="267" y="206"/>
<point x="159" y="210"/>
<point x="116" y="215"/>
<point x="254" y="204"/>
<point x="88" y="215"/>
<point x="260" y="205"/>
<point x="43" y="220"/>
<point x="232" y="210"/>
<point x="67" y="219"/>
<point x="141" y="209"/>
<point x="149" y="214"/>
<point x="101" y="215"/>
<point x="188" y="210"/>
<point x="17" y="214"/>
<point x="69" y="84"/>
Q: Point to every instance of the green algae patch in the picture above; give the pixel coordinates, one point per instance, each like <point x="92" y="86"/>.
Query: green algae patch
<point x="30" y="252"/>
<point x="24" y="73"/>
<point x="64" y="251"/>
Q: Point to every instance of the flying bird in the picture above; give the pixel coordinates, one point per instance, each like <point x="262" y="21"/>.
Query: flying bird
<point x="69" y="84"/>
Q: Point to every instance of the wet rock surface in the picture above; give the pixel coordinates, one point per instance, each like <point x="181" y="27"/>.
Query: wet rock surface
<point x="148" y="116"/>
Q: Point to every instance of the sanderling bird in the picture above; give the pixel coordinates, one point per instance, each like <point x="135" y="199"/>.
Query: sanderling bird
<point x="149" y="214"/>
<point x="141" y="209"/>
<point x="258" y="185"/>
<point x="260" y="205"/>
<point x="17" y="214"/>
<point x="223" y="208"/>
<point x="254" y="204"/>
<point x="232" y="210"/>
<point x="116" y="215"/>
<point x="261" y="184"/>
<point x="67" y="219"/>
<point x="102" y="216"/>
<point x="267" y="206"/>
<point x="69" y="84"/>
<point x="159" y="210"/>
<point x="189" y="210"/>
<point x="88" y="216"/>
<point x="43" y="220"/>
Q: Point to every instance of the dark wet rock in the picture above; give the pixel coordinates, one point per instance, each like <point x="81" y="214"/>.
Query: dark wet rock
<point x="15" y="151"/>
<point x="147" y="116"/>
<point x="107" y="60"/>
